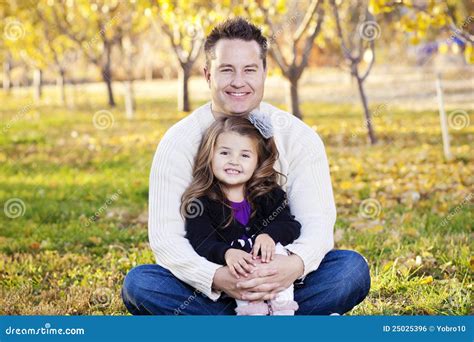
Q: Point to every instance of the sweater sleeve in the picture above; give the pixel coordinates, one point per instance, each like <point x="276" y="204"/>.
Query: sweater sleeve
<point x="203" y="236"/>
<point x="171" y="173"/>
<point x="311" y="198"/>
<point x="281" y="224"/>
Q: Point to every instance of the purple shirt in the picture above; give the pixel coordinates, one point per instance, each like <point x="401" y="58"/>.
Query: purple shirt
<point x="241" y="211"/>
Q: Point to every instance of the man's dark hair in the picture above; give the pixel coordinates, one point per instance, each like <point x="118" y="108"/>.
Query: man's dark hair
<point x="235" y="28"/>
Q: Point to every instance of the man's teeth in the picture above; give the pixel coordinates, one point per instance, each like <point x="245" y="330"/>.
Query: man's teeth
<point x="238" y="94"/>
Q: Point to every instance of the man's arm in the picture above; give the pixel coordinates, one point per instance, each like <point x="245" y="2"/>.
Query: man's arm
<point x="311" y="197"/>
<point x="171" y="173"/>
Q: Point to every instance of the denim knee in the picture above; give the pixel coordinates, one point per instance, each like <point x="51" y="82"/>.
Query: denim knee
<point x="359" y="274"/>
<point x="134" y="284"/>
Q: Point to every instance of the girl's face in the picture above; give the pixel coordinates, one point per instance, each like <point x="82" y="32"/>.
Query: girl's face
<point x="235" y="158"/>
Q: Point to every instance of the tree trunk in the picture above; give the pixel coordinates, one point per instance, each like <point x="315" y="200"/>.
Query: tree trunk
<point x="292" y="100"/>
<point x="129" y="102"/>
<point x="60" y="83"/>
<point x="108" y="83"/>
<point x="37" y="84"/>
<point x="149" y="71"/>
<point x="7" y="67"/>
<point x="183" y="91"/>
<point x="368" y="117"/>
<point x="107" y="75"/>
<point x="71" y="99"/>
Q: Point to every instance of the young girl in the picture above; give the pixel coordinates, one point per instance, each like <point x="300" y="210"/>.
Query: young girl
<point x="234" y="209"/>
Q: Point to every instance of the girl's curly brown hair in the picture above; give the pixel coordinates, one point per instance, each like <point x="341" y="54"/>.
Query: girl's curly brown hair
<point x="263" y="180"/>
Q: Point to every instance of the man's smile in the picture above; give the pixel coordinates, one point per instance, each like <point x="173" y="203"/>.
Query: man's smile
<point x="238" y="94"/>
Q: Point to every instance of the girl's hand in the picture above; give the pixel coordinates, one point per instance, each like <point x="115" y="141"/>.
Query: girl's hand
<point x="267" y="245"/>
<point x="239" y="262"/>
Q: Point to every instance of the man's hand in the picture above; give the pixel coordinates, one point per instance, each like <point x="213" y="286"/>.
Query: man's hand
<point x="225" y="281"/>
<point x="266" y="244"/>
<point x="264" y="283"/>
<point x="289" y="268"/>
<point x="239" y="262"/>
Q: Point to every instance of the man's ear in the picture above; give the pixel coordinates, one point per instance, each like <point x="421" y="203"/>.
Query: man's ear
<point x="207" y="76"/>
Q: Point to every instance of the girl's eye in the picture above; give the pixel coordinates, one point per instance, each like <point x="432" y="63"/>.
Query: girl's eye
<point x="245" y="155"/>
<point x="224" y="153"/>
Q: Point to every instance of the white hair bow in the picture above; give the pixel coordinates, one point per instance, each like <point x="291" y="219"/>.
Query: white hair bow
<point x="261" y="122"/>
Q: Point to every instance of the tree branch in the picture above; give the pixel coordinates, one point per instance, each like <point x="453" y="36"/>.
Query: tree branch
<point x="309" y="42"/>
<point x="306" y="20"/>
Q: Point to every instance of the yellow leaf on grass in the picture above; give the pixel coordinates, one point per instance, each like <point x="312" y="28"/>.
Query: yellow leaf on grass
<point x="427" y="280"/>
<point x="387" y="266"/>
<point x="345" y="185"/>
<point x="412" y="232"/>
<point x="375" y="229"/>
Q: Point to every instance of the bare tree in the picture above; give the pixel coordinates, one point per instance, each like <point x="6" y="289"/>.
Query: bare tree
<point x="293" y="66"/>
<point x="95" y="32"/>
<point x="361" y="37"/>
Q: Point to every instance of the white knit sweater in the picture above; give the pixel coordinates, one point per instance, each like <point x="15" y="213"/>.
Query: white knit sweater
<point x="302" y="159"/>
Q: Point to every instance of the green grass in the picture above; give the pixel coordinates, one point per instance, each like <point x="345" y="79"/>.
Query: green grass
<point x="54" y="259"/>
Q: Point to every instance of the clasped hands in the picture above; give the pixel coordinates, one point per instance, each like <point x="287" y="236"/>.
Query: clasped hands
<point x="250" y="277"/>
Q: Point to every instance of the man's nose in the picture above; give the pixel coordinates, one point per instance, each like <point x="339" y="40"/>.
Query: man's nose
<point x="237" y="81"/>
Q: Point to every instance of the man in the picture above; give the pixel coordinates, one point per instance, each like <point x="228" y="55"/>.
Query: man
<point x="326" y="281"/>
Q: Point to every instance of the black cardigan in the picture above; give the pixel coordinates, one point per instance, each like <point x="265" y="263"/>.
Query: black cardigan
<point x="273" y="217"/>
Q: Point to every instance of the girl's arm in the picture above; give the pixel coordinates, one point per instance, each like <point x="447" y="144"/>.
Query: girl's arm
<point x="280" y="223"/>
<point x="204" y="237"/>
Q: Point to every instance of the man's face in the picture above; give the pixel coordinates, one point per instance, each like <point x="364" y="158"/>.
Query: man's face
<point x="236" y="77"/>
<point x="235" y="158"/>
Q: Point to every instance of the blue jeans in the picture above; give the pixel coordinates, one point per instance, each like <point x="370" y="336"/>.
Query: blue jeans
<point x="341" y="282"/>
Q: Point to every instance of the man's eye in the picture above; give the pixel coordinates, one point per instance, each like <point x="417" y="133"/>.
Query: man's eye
<point x="250" y="70"/>
<point x="226" y="70"/>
